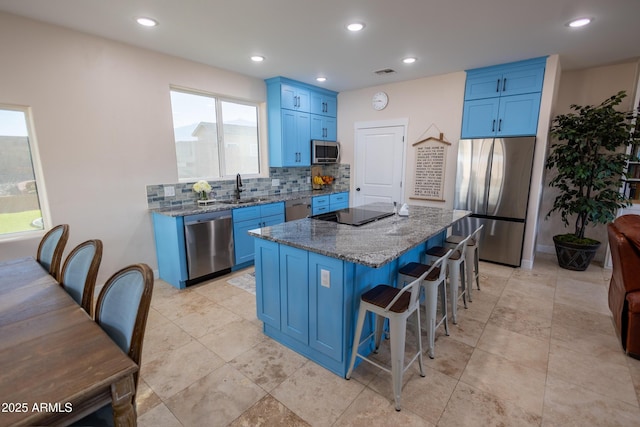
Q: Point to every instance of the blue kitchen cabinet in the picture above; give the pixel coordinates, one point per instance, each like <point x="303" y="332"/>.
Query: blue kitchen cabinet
<point x="319" y="204"/>
<point x="323" y="128"/>
<point x="338" y="201"/>
<point x="171" y="249"/>
<point x="329" y="203"/>
<point x="249" y="218"/>
<point x="289" y="121"/>
<point x="324" y="104"/>
<point x="294" y="293"/>
<point x="503" y="100"/>
<point x="505" y="80"/>
<point x="295" y="98"/>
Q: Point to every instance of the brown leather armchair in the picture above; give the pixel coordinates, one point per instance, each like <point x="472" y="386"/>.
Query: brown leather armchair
<point x="624" y="289"/>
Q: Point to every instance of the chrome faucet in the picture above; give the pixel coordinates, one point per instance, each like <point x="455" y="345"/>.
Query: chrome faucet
<point x="238" y="186"/>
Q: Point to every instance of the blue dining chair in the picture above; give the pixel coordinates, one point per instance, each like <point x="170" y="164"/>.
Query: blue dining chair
<point x="50" y="249"/>
<point x="80" y="271"/>
<point x="121" y="311"/>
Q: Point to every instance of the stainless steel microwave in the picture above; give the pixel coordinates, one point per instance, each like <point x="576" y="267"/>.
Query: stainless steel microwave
<point x="324" y="152"/>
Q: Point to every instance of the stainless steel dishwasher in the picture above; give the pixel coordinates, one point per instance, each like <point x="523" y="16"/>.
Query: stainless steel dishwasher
<point x="209" y="241"/>
<point x="297" y="208"/>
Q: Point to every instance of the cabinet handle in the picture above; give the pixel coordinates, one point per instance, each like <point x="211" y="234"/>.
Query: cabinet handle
<point x="500" y="125"/>
<point x="493" y="126"/>
<point x="498" y="86"/>
<point x="297" y="101"/>
<point x="504" y="84"/>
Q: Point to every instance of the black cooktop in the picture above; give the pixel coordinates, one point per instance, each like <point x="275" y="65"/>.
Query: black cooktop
<point x="353" y="216"/>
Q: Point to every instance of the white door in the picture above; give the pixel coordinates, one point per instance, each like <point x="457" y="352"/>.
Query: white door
<point x="379" y="155"/>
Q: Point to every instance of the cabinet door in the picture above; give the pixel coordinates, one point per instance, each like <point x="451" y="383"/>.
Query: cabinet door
<point x="323" y="128"/>
<point x="518" y="115"/>
<point x="243" y="242"/>
<point x="339" y="201"/>
<point x="294" y="293"/>
<point x="324" y="105"/>
<point x="296" y="140"/>
<point x="326" y="305"/>
<point x="294" y="98"/>
<point x="482" y="84"/>
<point x="525" y="79"/>
<point x="480" y="118"/>
<point x="268" y="282"/>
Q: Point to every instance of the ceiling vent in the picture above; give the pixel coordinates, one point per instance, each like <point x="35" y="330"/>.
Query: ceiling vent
<point x="384" y="71"/>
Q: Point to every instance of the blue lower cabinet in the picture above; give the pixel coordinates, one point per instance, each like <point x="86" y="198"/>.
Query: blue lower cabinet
<point x="250" y="218"/>
<point x="326" y="305"/>
<point x="170" y="249"/>
<point x="319" y="204"/>
<point x="339" y="201"/>
<point x="268" y="282"/>
<point x="294" y="293"/>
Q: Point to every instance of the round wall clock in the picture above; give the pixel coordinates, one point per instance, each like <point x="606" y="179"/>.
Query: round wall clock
<point x="379" y="101"/>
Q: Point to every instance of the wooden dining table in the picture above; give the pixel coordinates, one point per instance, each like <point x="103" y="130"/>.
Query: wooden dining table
<point x="56" y="364"/>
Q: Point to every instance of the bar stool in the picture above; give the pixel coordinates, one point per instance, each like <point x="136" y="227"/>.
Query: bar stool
<point x="396" y="305"/>
<point x="431" y="284"/>
<point x="455" y="271"/>
<point x="472" y="255"/>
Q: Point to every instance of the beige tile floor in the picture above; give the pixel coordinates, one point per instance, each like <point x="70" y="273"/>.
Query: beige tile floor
<point x="535" y="347"/>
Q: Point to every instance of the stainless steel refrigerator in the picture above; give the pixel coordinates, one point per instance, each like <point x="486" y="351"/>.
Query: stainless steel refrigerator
<point x="492" y="181"/>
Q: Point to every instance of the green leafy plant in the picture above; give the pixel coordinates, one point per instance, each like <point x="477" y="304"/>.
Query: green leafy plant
<point x="590" y="161"/>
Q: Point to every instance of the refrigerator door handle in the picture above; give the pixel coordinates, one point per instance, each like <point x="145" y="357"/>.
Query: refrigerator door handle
<point x="487" y="177"/>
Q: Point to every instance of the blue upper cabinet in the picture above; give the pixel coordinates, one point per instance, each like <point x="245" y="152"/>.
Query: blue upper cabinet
<point x="296" y="114"/>
<point x="503" y="100"/>
<point x="324" y="104"/>
<point x="294" y="98"/>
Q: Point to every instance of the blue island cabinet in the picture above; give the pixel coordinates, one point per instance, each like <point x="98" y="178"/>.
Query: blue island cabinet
<point x="309" y="301"/>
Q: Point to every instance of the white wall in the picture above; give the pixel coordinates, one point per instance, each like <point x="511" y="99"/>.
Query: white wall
<point x="104" y="130"/>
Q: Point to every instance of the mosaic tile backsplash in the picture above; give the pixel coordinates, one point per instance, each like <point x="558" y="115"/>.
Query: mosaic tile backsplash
<point x="291" y="180"/>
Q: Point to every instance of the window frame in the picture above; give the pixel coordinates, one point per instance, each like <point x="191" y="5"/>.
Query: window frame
<point x="36" y="163"/>
<point x="219" y="99"/>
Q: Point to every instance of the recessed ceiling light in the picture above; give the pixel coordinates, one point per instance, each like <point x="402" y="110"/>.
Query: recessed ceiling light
<point x="581" y="22"/>
<point x="257" y="58"/>
<point x="147" y="22"/>
<point x="409" y="60"/>
<point x="321" y="79"/>
<point x="355" y="26"/>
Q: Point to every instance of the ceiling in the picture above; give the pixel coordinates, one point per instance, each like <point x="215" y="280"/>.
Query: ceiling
<point x="303" y="39"/>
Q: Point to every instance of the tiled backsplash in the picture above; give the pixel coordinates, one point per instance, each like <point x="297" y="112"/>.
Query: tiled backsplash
<point x="291" y="180"/>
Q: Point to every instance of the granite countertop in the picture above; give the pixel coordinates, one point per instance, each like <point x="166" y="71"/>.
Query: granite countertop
<point x="373" y="244"/>
<point x="223" y="205"/>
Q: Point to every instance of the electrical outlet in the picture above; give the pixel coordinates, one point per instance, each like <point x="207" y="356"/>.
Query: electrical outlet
<point x="169" y="191"/>
<point x="308" y="180"/>
<point x="275" y="182"/>
<point x="325" y="278"/>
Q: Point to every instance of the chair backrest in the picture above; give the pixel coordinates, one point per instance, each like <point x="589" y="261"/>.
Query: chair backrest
<point x="462" y="246"/>
<point x="51" y="248"/>
<point x="414" y="286"/>
<point x="79" y="273"/>
<point x="123" y="306"/>
<point x="476" y="235"/>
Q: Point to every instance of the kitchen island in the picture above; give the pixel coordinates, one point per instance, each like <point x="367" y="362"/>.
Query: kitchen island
<point x="310" y="275"/>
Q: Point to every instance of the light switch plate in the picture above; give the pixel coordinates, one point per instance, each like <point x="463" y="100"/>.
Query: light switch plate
<point x="325" y="278"/>
<point x="169" y="191"/>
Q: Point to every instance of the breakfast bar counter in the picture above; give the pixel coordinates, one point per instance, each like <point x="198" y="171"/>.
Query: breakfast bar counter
<point x="310" y="274"/>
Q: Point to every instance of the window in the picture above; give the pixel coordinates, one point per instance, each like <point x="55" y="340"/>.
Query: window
<point x="19" y="203"/>
<point x="214" y="137"/>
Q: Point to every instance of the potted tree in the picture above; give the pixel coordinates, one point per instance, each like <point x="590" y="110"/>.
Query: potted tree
<point x="590" y="160"/>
